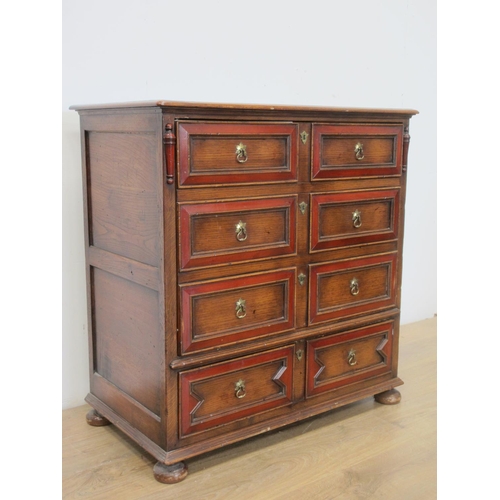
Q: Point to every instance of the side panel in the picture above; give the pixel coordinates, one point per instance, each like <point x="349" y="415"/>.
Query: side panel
<point x="123" y="206"/>
<point x="127" y="337"/>
<point x="124" y="224"/>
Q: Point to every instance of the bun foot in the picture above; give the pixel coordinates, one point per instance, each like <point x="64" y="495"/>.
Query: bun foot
<point x="170" y="474"/>
<point x="391" y="397"/>
<point x="96" y="419"/>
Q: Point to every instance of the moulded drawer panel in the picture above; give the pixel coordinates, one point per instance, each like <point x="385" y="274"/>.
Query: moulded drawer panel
<point x="224" y="392"/>
<point x="220" y="312"/>
<point x="237" y="153"/>
<point x="338" y="360"/>
<point x="344" y="219"/>
<point x="234" y="231"/>
<point x="356" y="150"/>
<point x="345" y="288"/>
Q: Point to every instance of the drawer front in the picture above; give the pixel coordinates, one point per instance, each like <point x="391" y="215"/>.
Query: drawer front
<point x="224" y="392"/>
<point x="237" y="153"/>
<point x="356" y="151"/>
<point x="344" y="219"/>
<point x="339" y="360"/>
<point x="234" y="231"/>
<point x="346" y="288"/>
<point x="247" y="307"/>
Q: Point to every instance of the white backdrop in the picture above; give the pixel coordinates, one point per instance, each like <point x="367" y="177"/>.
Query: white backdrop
<point x="360" y="53"/>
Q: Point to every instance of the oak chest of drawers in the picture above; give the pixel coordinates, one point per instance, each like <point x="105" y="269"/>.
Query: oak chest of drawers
<point x="243" y="267"/>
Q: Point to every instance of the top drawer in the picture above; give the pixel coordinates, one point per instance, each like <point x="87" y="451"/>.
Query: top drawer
<point x="237" y="153"/>
<point x="356" y="151"/>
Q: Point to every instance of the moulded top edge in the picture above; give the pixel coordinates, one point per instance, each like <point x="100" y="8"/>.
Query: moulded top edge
<point x="243" y="107"/>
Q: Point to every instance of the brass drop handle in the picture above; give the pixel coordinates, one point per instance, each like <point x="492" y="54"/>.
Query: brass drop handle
<point x="354" y="287"/>
<point x="356" y="218"/>
<point x="241" y="310"/>
<point x="241" y="153"/>
<point x="241" y="231"/>
<point x="351" y="357"/>
<point x="358" y="151"/>
<point x="239" y="389"/>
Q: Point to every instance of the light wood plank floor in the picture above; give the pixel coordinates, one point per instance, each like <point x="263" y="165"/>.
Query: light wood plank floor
<point x="361" y="451"/>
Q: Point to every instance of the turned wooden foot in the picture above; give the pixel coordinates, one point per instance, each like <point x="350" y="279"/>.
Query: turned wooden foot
<point x="170" y="474"/>
<point x="391" y="397"/>
<point x="96" y="419"/>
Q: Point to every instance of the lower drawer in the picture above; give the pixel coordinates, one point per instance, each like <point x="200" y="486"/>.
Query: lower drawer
<point x="338" y="360"/>
<point x="224" y="392"/>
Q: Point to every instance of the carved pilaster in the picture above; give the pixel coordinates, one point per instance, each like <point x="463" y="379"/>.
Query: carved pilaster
<point x="406" y="145"/>
<point x="169" y="142"/>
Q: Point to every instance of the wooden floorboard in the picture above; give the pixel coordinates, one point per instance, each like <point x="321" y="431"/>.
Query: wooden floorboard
<point x="361" y="451"/>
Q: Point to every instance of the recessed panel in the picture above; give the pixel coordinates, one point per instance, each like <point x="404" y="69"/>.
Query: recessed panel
<point x="234" y="231"/>
<point x="338" y="360"/>
<point x="342" y="289"/>
<point x="237" y="153"/>
<point x="127" y="341"/>
<point x="122" y="189"/>
<point x="220" y="312"/>
<point x="225" y="392"/>
<point x="353" y="150"/>
<point x="345" y="219"/>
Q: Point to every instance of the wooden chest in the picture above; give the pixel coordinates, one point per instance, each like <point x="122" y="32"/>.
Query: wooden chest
<point x="243" y="267"/>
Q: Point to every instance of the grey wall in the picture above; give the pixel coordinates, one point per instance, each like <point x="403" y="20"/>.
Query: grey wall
<point x="359" y="53"/>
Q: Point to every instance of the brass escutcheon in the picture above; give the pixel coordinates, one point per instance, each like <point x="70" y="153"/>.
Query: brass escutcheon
<point x="241" y="231"/>
<point x="239" y="389"/>
<point x="356" y="218"/>
<point x="302" y="206"/>
<point x="299" y="354"/>
<point x="241" y="153"/>
<point x="302" y="278"/>
<point x="354" y="287"/>
<point x="358" y="150"/>
<point x="303" y="137"/>
<point x="241" y="311"/>
<point x="351" y="357"/>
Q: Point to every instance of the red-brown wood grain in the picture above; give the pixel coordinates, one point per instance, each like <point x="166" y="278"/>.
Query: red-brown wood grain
<point x="211" y="396"/>
<point x="338" y="360"/>
<point x="209" y="315"/>
<point x="334" y="150"/>
<point x="332" y="218"/>
<point x="330" y="295"/>
<point x="209" y="236"/>
<point x="207" y="153"/>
